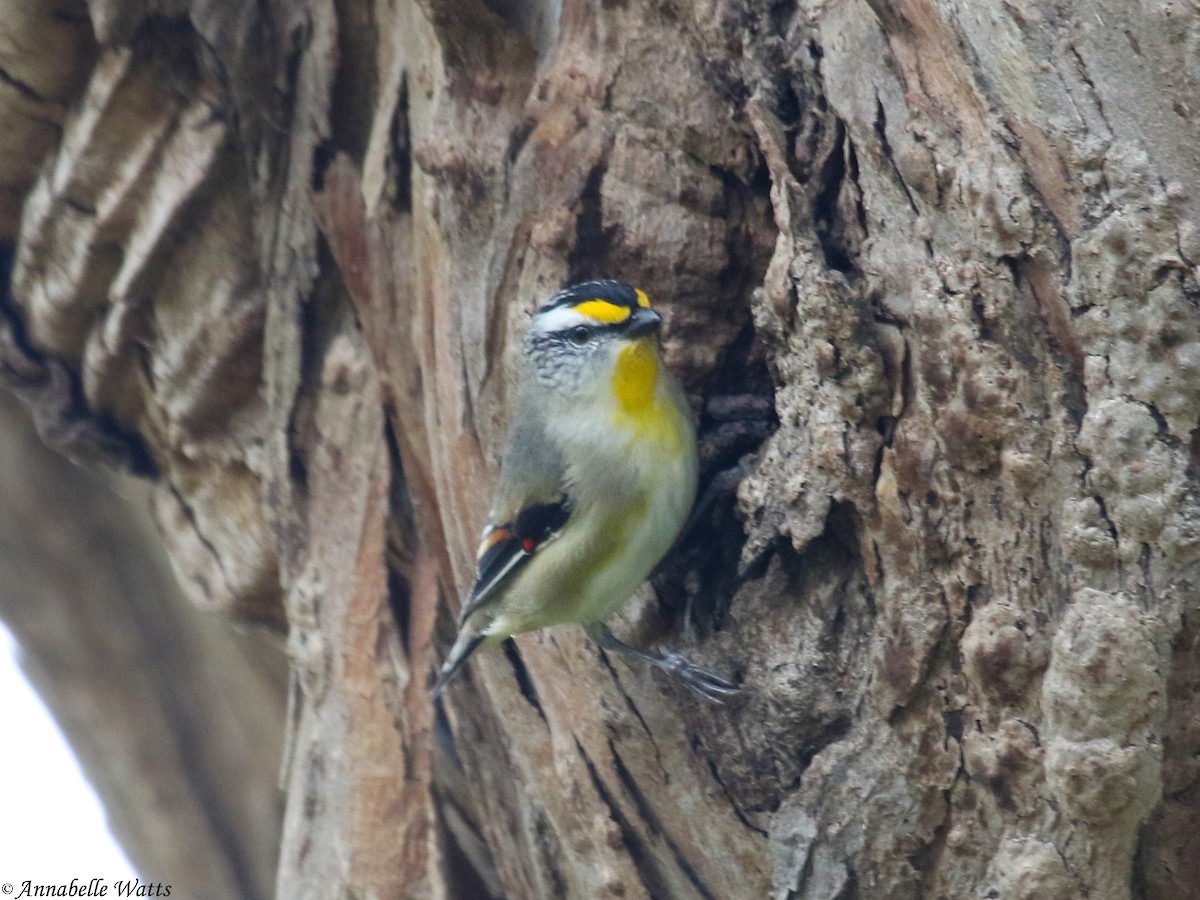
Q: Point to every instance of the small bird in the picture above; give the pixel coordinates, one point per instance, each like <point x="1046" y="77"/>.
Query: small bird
<point x="596" y="481"/>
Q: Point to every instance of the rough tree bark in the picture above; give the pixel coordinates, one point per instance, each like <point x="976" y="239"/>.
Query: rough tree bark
<point x="283" y="253"/>
<point x="176" y="718"/>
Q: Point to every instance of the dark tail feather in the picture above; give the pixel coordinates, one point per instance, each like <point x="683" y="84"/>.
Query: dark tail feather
<point x="459" y="654"/>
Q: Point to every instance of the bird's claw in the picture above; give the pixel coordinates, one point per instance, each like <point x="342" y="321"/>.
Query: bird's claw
<point x="701" y="681"/>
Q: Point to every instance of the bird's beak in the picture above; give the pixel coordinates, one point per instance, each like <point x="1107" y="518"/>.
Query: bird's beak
<point x="643" y="321"/>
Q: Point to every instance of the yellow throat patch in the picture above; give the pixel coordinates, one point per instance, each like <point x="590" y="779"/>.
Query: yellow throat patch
<point x="635" y="378"/>
<point x="641" y="408"/>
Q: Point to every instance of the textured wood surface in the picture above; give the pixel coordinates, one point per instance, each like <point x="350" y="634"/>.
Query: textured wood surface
<point x="177" y="719"/>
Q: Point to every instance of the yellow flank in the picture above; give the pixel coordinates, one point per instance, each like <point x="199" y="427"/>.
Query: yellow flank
<point x="603" y="311"/>
<point x="643" y="300"/>
<point x="568" y="587"/>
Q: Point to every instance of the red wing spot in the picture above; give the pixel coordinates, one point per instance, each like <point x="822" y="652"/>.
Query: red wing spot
<point x="529" y="545"/>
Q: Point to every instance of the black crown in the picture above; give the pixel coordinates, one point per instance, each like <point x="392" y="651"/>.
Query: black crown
<point x="616" y="292"/>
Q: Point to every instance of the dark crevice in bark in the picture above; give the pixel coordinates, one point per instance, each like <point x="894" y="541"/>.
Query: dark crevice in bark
<point x="1064" y="351"/>
<point x="849" y="890"/>
<point x="1164" y="430"/>
<point x="606" y="104"/>
<point x="48" y="118"/>
<point x="952" y="720"/>
<point x="551" y="851"/>
<point x="724" y="442"/>
<point x="733" y="804"/>
<point x="925" y="860"/>
<point x="829" y="180"/>
<point x="354" y="96"/>
<point x="756" y="567"/>
<point x="21" y="87"/>
<point x="445" y="743"/>
<point x="1193" y="469"/>
<point x="169" y="46"/>
<point x="400" y="159"/>
<point x="312" y="806"/>
<point x="319" y="313"/>
<point x="295" y="47"/>
<point x="636" y="713"/>
<point x="27" y="369"/>
<point x="982" y="326"/>
<point x="497" y="337"/>
<point x="654" y="826"/>
<point x="944" y="646"/>
<point x="522" y="17"/>
<point x="710" y="555"/>
<point x="1144" y="555"/>
<point x="747" y="205"/>
<point x="1068" y="867"/>
<point x="1189" y="292"/>
<point x="468" y="864"/>
<point x="885" y="148"/>
<point x="1112" y="527"/>
<point x="739" y="408"/>
<point x="400" y="527"/>
<point x="468" y="397"/>
<point x="399" y="595"/>
<point x="732" y="428"/>
<point x="518" y="139"/>
<point x="297" y="468"/>
<point x="76" y="205"/>
<point x="53" y="393"/>
<point x="70" y="17"/>
<point x="978" y="596"/>
<point x="852" y="174"/>
<point x="638" y="855"/>
<point x="1033" y="732"/>
<point x="592" y="241"/>
<point x="829" y="733"/>
<point x="208" y="546"/>
<point x="1084" y="76"/>
<point x="323" y="156"/>
<point x="524" y="682"/>
<point x="899" y="376"/>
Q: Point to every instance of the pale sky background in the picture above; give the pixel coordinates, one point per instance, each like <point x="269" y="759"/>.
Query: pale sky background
<point x="52" y="826"/>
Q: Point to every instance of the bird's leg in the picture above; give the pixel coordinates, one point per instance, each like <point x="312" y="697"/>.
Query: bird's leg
<point x="706" y="683"/>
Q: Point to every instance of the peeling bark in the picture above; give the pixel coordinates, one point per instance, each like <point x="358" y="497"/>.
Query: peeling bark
<point x="280" y="259"/>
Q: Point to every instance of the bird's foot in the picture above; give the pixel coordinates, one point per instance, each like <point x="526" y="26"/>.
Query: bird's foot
<point x="703" y="682"/>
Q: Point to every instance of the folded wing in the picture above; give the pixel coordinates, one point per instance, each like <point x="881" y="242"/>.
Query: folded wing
<point x="506" y="548"/>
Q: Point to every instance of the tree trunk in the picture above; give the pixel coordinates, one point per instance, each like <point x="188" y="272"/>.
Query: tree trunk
<point x="176" y="719"/>
<point x="280" y="260"/>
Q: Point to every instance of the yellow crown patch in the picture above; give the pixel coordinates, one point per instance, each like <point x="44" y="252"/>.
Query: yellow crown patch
<point x="603" y="311"/>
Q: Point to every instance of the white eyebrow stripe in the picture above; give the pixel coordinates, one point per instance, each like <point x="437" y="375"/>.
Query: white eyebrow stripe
<point x="560" y="319"/>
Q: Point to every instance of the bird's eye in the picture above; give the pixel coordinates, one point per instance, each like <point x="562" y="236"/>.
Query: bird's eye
<point x="580" y="335"/>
